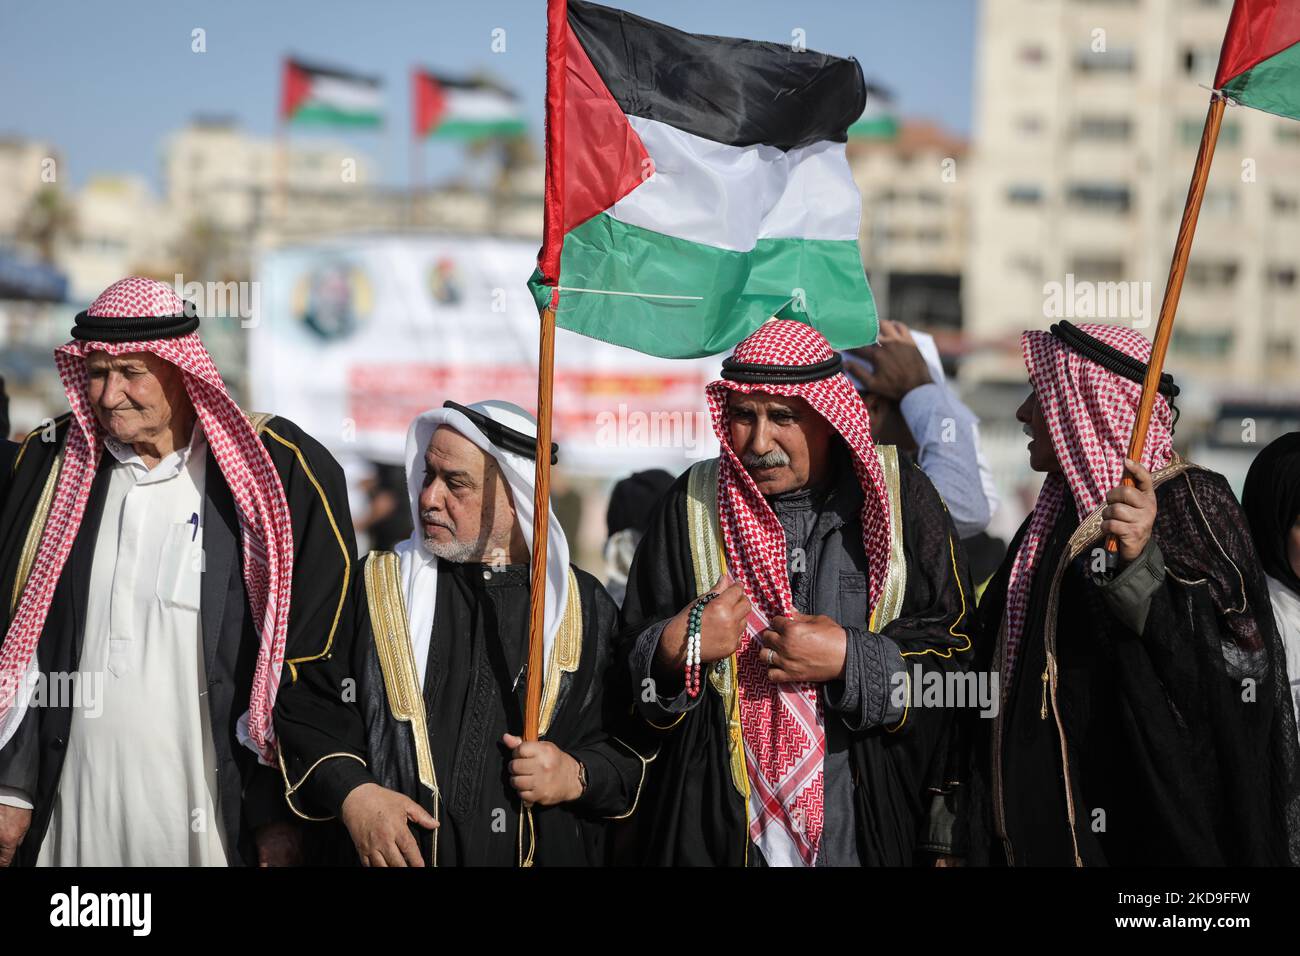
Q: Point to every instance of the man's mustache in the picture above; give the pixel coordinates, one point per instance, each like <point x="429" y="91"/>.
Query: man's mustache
<point x="428" y="517"/>
<point x="775" y="458"/>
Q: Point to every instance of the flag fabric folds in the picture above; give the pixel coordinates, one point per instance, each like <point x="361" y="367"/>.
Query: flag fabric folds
<point x="1259" y="65"/>
<point x="463" y="109"/>
<point x="317" y="95"/>
<point x="697" y="186"/>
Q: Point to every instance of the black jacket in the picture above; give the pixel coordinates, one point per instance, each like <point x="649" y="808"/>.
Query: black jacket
<point x="250" y="793"/>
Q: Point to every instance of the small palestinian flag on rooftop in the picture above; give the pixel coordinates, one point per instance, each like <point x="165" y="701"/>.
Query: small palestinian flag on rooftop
<point x="324" y="96"/>
<point x="1259" y="65"/>
<point x="463" y="109"/>
<point x="696" y="186"/>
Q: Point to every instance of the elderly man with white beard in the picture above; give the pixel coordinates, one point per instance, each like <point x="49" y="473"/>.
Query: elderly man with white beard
<point x="424" y="764"/>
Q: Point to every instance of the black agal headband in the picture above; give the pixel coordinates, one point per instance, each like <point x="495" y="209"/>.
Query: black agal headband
<point x="503" y="436"/>
<point x="143" y="328"/>
<point x="1111" y="358"/>
<point x="755" y="373"/>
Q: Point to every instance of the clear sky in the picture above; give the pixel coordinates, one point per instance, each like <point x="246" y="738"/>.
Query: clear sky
<point x="105" y="81"/>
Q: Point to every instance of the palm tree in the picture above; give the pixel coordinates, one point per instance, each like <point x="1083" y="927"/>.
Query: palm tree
<point x="47" y="222"/>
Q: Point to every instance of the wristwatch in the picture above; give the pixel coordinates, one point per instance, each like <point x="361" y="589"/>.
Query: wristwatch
<point x="582" y="776"/>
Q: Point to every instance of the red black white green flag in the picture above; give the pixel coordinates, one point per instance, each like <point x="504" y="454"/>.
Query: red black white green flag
<point x="1259" y="65"/>
<point x="697" y="186"/>
<point x="448" y="108"/>
<point x="324" y="96"/>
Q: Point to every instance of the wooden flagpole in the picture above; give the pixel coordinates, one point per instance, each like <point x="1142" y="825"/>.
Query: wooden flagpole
<point x="541" y="521"/>
<point x="556" y="34"/>
<point x="1177" y="270"/>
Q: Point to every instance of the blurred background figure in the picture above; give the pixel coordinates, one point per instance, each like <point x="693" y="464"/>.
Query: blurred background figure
<point x="387" y="519"/>
<point x="902" y="383"/>
<point x="630" y="505"/>
<point x="8" y="449"/>
<point x="1271" y="500"/>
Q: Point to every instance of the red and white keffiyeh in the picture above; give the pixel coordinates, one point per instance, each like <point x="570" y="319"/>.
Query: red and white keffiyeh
<point x="246" y="465"/>
<point x="782" y="724"/>
<point x="1090" y="412"/>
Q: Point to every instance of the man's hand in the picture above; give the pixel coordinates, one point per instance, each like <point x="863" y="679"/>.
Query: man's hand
<point x="804" y="648"/>
<point x="14" y="822"/>
<point x="898" y="363"/>
<point x="279" y="844"/>
<point x="721" y="627"/>
<point x="542" y="772"/>
<point x="1130" y="513"/>
<point x="947" y="860"/>
<point x="377" y="819"/>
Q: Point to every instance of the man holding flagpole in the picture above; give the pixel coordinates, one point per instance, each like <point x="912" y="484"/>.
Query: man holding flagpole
<point x="423" y="759"/>
<point x="1145" y="718"/>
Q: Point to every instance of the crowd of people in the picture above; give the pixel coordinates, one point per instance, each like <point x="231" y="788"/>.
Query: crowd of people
<point x="806" y="652"/>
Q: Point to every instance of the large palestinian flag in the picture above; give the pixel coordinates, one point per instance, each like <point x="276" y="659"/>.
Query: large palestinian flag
<point x="323" y="96"/>
<point x="463" y="109"/>
<point x="696" y="186"/>
<point x="1259" y="65"/>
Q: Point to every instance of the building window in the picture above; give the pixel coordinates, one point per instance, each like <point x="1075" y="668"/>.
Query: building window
<point x="1097" y="268"/>
<point x="1280" y="347"/>
<point x="1101" y="197"/>
<point x="1113" y="129"/>
<point x="1029" y="125"/>
<point x="1286" y="204"/>
<point x="1033" y="54"/>
<point x="1221" y="202"/>
<point x="1189" y="131"/>
<point x="1120" y="59"/>
<point x="1201" y="344"/>
<point x="1282" y="277"/>
<point x="1022" y="194"/>
<point x="1211" y="275"/>
<point x="1200" y="61"/>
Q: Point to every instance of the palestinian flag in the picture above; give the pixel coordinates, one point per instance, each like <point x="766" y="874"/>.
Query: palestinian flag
<point x="458" y="109"/>
<point x="696" y="186"/>
<point x="879" y="120"/>
<point x="1259" y="65"/>
<point x="317" y="95"/>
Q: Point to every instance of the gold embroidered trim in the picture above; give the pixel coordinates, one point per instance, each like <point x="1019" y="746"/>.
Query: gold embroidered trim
<point x="35" y="531"/>
<point x="891" y="595"/>
<point x="382" y="574"/>
<point x="329" y="514"/>
<point x="708" y="561"/>
<point x="564" y="656"/>
<point x="258" y="420"/>
<point x="291" y="789"/>
<point x="397" y="657"/>
<point x="645" y="764"/>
